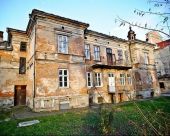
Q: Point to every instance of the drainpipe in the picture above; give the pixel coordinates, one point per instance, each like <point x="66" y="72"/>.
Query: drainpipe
<point x="34" y="62"/>
<point x="34" y="67"/>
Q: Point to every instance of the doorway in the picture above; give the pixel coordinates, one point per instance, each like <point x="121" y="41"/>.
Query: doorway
<point x="20" y="95"/>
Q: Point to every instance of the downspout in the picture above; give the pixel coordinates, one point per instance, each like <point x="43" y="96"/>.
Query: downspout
<point x="34" y="65"/>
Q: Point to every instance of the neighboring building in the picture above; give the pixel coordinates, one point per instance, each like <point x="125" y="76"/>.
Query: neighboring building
<point x="162" y="61"/>
<point x="57" y="63"/>
<point x="153" y="37"/>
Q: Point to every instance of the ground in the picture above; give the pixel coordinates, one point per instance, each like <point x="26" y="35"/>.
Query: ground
<point x="148" y="117"/>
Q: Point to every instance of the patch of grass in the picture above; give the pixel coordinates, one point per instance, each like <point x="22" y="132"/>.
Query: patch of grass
<point x="127" y="120"/>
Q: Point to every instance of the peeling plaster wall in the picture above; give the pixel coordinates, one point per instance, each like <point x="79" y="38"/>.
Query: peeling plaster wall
<point x="48" y="93"/>
<point x="9" y="70"/>
<point x="126" y="90"/>
<point x="144" y="74"/>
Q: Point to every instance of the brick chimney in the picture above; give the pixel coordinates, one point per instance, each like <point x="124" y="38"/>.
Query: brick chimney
<point x="1" y="36"/>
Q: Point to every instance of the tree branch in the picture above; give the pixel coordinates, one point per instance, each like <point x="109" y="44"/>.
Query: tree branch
<point x="146" y="28"/>
<point x="154" y="13"/>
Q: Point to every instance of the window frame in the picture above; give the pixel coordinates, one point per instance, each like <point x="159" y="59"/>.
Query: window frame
<point x="91" y="79"/>
<point x="146" y="58"/>
<point x="97" y="80"/>
<point x="67" y="43"/>
<point x="120" y="54"/>
<point x="122" y="79"/>
<point x="63" y="76"/>
<point x="20" y="65"/>
<point x="21" y="48"/>
<point x="87" y="50"/>
<point x="97" y="53"/>
<point x="129" y="79"/>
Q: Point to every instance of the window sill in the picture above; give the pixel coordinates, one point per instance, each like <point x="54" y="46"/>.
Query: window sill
<point x="63" y="87"/>
<point x="63" y="53"/>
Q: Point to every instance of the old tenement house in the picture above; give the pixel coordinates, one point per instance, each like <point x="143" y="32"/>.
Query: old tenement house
<point x="57" y="63"/>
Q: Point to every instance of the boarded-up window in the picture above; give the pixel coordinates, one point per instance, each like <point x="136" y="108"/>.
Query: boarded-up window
<point x="126" y="56"/>
<point x="22" y="65"/>
<point x="120" y="54"/>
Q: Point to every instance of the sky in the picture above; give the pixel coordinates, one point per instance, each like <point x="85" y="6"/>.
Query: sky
<point x="100" y="14"/>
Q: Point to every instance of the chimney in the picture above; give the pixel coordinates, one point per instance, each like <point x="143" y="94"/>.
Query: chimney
<point x="1" y="36"/>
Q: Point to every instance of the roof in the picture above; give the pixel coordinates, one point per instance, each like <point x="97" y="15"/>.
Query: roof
<point x="144" y="42"/>
<point x="164" y="44"/>
<point x="15" y="30"/>
<point x="95" y="33"/>
<point x="39" y="13"/>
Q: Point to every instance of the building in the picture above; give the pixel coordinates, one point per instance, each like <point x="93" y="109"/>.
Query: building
<point x="153" y="37"/>
<point x="57" y="63"/>
<point x="162" y="61"/>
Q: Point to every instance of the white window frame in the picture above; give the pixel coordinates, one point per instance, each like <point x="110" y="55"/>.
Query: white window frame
<point x="87" y="51"/>
<point x="98" y="79"/>
<point x="122" y="79"/>
<point x="62" y="75"/>
<point x="89" y="79"/>
<point x="97" y="53"/>
<point x="129" y="79"/>
<point x="61" y="43"/>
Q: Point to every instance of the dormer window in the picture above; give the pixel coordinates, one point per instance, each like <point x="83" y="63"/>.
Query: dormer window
<point x="23" y="46"/>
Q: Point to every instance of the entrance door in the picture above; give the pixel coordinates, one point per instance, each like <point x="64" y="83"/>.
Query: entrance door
<point x="111" y="79"/>
<point x="20" y="95"/>
<point x="120" y="95"/>
<point x="109" y="56"/>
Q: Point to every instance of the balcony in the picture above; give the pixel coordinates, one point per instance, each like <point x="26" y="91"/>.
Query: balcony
<point x="118" y="64"/>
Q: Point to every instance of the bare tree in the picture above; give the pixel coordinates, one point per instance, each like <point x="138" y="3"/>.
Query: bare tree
<point x="162" y="26"/>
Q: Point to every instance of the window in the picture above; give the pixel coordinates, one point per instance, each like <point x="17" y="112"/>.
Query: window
<point x="89" y="79"/>
<point x="146" y="58"/>
<point x="87" y="51"/>
<point x="22" y="65"/>
<point x="62" y="44"/>
<point x="97" y="53"/>
<point x="98" y="79"/>
<point x="120" y="54"/>
<point x="129" y="79"/>
<point x="122" y="79"/>
<point x="63" y="78"/>
<point x="126" y="56"/>
<point x="23" y="46"/>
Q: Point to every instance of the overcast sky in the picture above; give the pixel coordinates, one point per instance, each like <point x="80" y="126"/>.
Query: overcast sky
<point x="100" y="14"/>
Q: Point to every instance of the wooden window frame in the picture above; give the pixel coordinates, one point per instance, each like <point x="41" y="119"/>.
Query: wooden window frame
<point x="97" y="53"/>
<point x="98" y="80"/>
<point x="62" y="43"/>
<point x="87" y="51"/>
<point x="89" y="78"/>
<point x="62" y="75"/>
<point x="22" y="66"/>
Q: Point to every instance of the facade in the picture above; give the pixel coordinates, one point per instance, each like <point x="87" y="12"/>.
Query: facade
<point x="57" y="63"/>
<point x="162" y="61"/>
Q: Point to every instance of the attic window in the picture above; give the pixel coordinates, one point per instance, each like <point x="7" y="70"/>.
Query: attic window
<point x="23" y="46"/>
